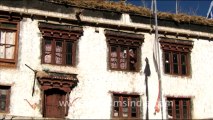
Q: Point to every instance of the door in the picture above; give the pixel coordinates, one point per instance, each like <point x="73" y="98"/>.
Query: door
<point x="52" y="107"/>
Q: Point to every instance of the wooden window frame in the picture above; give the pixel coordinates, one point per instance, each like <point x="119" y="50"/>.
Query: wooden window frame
<point x="8" y="91"/>
<point x="53" y="52"/>
<point x="129" y="98"/>
<point x="63" y="33"/>
<point x="179" y="47"/>
<point x="171" y="63"/>
<point x="180" y="107"/>
<point x="118" y="40"/>
<point x="10" y="62"/>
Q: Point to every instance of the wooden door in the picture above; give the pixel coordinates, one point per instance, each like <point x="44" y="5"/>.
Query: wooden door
<point x="52" y="107"/>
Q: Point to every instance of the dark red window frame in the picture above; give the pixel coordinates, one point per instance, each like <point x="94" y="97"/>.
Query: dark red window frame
<point x="124" y="50"/>
<point x="178" y="108"/>
<point x="176" y="56"/>
<point x="176" y="63"/>
<point x="126" y="106"/>
<point x="4" y="98"/>
<point x="62" y="54"/>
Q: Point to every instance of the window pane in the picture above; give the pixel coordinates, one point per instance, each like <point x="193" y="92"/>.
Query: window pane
<point x="3" y="103"/>
<point x="69" y="59"/>
<point x="175" y="63"/>
<point x="183" y="64"/>
<point x="10" y="47"/>
<point x="123" y="58"/>
<point x="132" y="58"/>
<point x="167" y="62"/>
<point x="125" y="107"/>
<point x="58" y="54"/>
<point x="169" y="108"/>
<point x="47" y="51"/>
<point x="133" y="106"/>
<point x="185" y="109"/>
<point x="183" y="59"/>
<point x="116" y="105"/>
<point x="7" y="44"/>
<point x="69" y="53"/>
<point x="113" y="58"/>
<point x="177" y="109"/>
<point x="183" y="70"/>
<point x="175" y="58"/>
<point x="69" y="47"/>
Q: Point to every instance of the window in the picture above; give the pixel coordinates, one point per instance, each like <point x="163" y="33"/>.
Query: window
<point x="178" y="108"/>
<point x="59" y="46"/>
<point x="4" y="98"/>
<point x="176" y="56"/>
<point x="8" y="43"/>
<point x="124" y="49"/>
<point x="126" y="106"/>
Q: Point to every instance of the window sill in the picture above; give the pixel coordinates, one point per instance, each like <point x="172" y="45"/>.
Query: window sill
<point x="8" y="64"/>
<point x="58" y="65"/>
<point x="120" y="118"/>
<point x="119" y="70"/>
<point x="176" y="75"/>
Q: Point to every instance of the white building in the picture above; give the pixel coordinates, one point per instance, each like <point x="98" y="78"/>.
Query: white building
<point x="91" y="55"/>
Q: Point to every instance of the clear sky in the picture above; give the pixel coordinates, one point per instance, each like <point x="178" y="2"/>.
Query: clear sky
<point x="192" y="7"/>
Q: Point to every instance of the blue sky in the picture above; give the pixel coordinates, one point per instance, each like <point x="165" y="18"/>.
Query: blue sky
<point x="192" y="7"/>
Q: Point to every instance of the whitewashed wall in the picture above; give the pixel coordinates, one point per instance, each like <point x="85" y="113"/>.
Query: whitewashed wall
<point x="93" y="97"/>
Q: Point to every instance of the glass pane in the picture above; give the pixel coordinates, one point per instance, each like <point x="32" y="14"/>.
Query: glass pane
<point x="177" y="109"/>
<point x="10" y="38"/>
<point x="183" y="59"/>
<point x="183" y="70"/>
<point x="7" y="45"/>
<point x="47" y="57"/>
<point x="48" y="45"/>
<point x="3" y="101"/>
<point x="10" y="51"/>
<point x="133" y="106"/>
<point x="167" y="62"/>
<point x="58" y="54"/>
<point x="125" y="107"/>
<point x="175" y="68"/>
<point x="175" y="58"/>
<point x="113" y="58"/>
<point x="69" y="47"/>
<point x="132" y="58"/>
<point x="68" y="53"/>
<point x="3" y="92"/>
<point x="58" y="46"/>
<point x="69" y="59"/>
<point x="169" y="108"/>
<point x="185" y="109"/>
<point x="116" y="105"/>
<point x="123" y="58"/>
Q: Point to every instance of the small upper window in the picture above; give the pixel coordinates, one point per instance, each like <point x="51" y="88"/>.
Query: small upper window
<point x="176" y="56"/>
<point x="4" y="98"/>
<point x="8" y="43"/>
<point x="124" y="49"/>
<point x="59" y="46"/>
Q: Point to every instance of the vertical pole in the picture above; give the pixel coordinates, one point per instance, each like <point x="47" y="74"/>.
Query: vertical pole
<point x="158" y="52"/>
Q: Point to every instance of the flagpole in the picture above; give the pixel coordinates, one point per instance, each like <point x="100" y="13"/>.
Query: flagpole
<point x="158" y="52"/>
